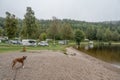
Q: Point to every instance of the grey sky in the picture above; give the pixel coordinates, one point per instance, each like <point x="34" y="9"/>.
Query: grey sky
<point x="87" y="10"/>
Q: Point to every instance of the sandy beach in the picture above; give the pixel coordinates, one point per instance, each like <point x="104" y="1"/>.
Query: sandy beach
<point x="54" y="65"/>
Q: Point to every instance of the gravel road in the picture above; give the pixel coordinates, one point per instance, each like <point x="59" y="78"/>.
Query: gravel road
<point x="54" y="65"/>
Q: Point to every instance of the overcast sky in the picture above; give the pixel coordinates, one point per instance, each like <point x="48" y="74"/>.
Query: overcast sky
<point x="85" y="10"/>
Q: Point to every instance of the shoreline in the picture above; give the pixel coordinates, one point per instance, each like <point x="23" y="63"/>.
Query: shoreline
<point x="114" y="67"/>
<point x="117" y="66"/>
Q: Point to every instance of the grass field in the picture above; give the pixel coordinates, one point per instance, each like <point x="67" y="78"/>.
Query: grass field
<point x="9" y="48"/>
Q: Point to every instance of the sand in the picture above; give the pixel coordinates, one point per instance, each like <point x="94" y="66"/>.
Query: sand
<point x="54" y="65"/>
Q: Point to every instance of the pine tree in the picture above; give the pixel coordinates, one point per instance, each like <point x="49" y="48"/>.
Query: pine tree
<point x="10" y="25"/>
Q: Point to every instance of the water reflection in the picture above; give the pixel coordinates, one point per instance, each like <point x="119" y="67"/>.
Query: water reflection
<point x="108" y="53"/>
<point x="89" y="45"/>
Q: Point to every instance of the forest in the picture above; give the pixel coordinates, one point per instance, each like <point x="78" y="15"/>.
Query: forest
<point x="60" y="29"/>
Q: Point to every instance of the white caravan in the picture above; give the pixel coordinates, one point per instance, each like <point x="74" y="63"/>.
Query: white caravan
<point x="29" y="42"/>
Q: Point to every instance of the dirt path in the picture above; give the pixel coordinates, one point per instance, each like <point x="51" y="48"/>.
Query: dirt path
<point x="50" y="65"/>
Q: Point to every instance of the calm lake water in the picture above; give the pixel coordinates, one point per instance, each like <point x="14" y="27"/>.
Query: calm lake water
<point x="108" y="53"/>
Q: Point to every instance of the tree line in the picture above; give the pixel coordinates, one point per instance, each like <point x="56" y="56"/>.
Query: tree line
<point x="66" y="29"/>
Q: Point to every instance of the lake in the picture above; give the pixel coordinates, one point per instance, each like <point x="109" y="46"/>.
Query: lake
<point x="108" y="53"/>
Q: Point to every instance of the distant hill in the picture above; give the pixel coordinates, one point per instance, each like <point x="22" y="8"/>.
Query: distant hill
<point x="75" y="23"/>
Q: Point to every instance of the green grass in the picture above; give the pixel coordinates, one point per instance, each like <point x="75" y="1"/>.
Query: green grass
<point x="50" y="47"/>
<point x="10" y="48"/>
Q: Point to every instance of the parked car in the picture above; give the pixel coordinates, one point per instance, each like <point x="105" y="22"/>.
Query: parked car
<point x="29" y="42"/>
<point x="15" y="41"/>
<point x="43" y="43"/>
<point x="63" y="42"/>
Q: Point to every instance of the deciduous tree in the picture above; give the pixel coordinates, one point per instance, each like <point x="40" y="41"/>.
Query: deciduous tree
<point x="79" y="36"/>
<point x="66" y="31"/>
<point x="30" y="27"/>
<point x="53" y="29"/>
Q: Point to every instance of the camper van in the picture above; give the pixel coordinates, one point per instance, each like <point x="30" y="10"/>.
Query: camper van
<point x="29" y="42"/>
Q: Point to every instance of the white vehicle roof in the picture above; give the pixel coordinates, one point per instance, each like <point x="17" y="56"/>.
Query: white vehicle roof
<point x="28" y="40"/>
